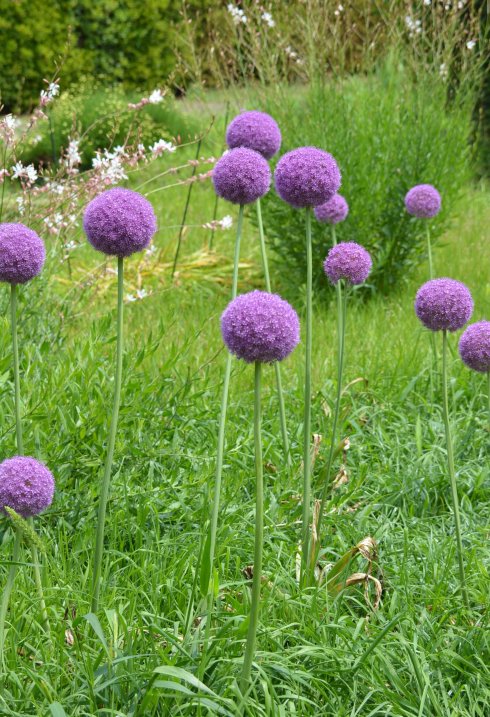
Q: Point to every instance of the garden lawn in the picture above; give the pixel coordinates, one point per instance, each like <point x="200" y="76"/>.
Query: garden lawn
<point x="418" y="654"/>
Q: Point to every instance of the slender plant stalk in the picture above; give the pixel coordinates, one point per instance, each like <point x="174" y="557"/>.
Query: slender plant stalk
<point x="104" y="489"/>
<point x="213" y="527"/>
<point x="429" y="254"/>
<point x="216" y="200"/>
<point x="488" y="397"/>
<point x="341" y="314"/>
<point x="7" y="592"/>
<point x="186" y="209"/>
<point x="20" y="444"/>
<point x="307" y="405"/>
<point x="452" y="474"/>
<point x="259" y="539"/>
<point x="53" y="141"/>
<point x="277" y="368"/>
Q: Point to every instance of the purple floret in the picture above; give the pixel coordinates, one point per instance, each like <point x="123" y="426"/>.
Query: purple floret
<point x="259" y="326"/>
<point x="241" y="176"/>
<point x="333" y="211"/>
<point x="423" y="201"/>
<point x="443" y="304"/>
<point x="348" y="261"/>
<point x="22" y="253"/>
<point x="119" y="222"/>
<point x="474" y="346"/>
<point x="254" y="130"/>
<point x="307" y="177"/>
<point x="26" y="486"/>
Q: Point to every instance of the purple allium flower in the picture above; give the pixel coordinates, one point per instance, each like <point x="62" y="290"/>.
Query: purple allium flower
<point x="333" y="211"/>
<point x="26" y="486"/>
<point x="119" y="222"/>
<point x="474" y="346"/>
<point x="349" y="261"/>
<point x="443" y="304"/>
<point x="22" y="253"/>
<point x="423" y="201"/>
<point x="259" y="326"/>
<point x="255" y="130"/>
<point x="241" y="176"/>
<point x="307" y="177"/>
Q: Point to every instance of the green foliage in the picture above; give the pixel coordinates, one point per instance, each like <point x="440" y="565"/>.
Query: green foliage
<point x="100" y="118"/>
<point x="387" y="132"/>
<point x="124" y="41"/>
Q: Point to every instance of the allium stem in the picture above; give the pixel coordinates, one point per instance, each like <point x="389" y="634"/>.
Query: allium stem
<point x="259" y="538"/>
<point x="104" y="489"/>
<point x="208" y="563"/>
<point x="7" y="592"/>
<point x="15" y="359"/>
<point x="488" y="397"/>
<point x="452" y="474"/>
<point x="20" y="443"/>
<point x="307" y="405"/>
<point x="429" y="254"/>
<point x="277" y="367"/>
<point x="341" y="314"/>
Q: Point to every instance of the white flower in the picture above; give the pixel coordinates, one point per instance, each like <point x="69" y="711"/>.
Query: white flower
<point x="71" y="245"/>
<point x="414" y="26"/>
<point x="267" y="18"/>
<point x="20" y="172"/>
<point x="471" y="44"/>
<point x="427" y="2"/>
<point x="443" y="71"/>
<point x="10" y="122"/>
<point x="156" y="97"/>
<point x="21" y="204"/>
<point x="339" y="9"/>
<point x="290" y="52"/>
<point x="162" y="146"/>
<point x="141" y="294"/>
<point x="227" y="222"/>
<point x="237" y="14"/>
<point x="110" y="165"/>
<point x="73" y="157"/>
<point x="130" y="297"/>
<point x="53" y="89"/>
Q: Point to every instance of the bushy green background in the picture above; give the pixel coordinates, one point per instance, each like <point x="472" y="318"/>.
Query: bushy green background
<point x="123" y="41"/>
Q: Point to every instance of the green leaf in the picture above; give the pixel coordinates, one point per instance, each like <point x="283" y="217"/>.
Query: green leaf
<point x="57" y="710"/>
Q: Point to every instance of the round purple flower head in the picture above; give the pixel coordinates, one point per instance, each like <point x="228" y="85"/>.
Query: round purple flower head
<point x="307" y="177"/>
<point x="349" y="261"/>
<point x="423" y="201"/>
<point x="22" y="253"/>
<point x="333" y="211"/>
<point x="119" y="222"/>
<point x="443" y="304"/>
<point x="474" y="346"/>
<point x="259" y="326"/>
<point x="26" y="486"/>
<point x="241" y="176"/>
<point x="255" y="130"/>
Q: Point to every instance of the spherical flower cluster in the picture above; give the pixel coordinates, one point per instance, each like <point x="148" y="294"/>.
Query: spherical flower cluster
<point x="333" y="211"/>
<point x="423" y="201"/>
<point x="241" y="176"/>
<point x="307" y="177"/>
<point x="26" y="486"/>
<point x="119" y="222"/>
<point x="254" y="130"/>
<point x="443" y="304"/>
<point x="474" y="346"/>
<point x="259" y="326"/>
<point x="349" y="261"/>
<point x="22" y="253"/>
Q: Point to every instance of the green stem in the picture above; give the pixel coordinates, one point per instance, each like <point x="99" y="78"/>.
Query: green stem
<point x="39" y="584"/>
<point x="213" y="528"/>
<point x="341" y="313"/>
<point x="307" y="405"/>
<point x="488" y="396"/>
<point x="7" y="592"/>
<point x="104" y="490"/>
<point x="259" y="538"/>
<point x="334" y="236"/>
<point x="15" y="354"/>
<point x="452" y="474"/>
<point x="429" y="254"/>
<point x="277" y="368"/>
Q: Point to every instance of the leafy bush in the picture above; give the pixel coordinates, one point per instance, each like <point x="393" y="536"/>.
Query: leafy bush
<point x="388" y="132"/>
<point x="100" y="118"/>
<point x="124" y="41"/>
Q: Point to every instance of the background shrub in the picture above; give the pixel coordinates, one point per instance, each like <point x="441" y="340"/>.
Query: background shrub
<point x="388" y="132"/>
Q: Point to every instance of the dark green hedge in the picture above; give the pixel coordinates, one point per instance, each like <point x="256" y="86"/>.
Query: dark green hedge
<point x="117" y="41"/>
